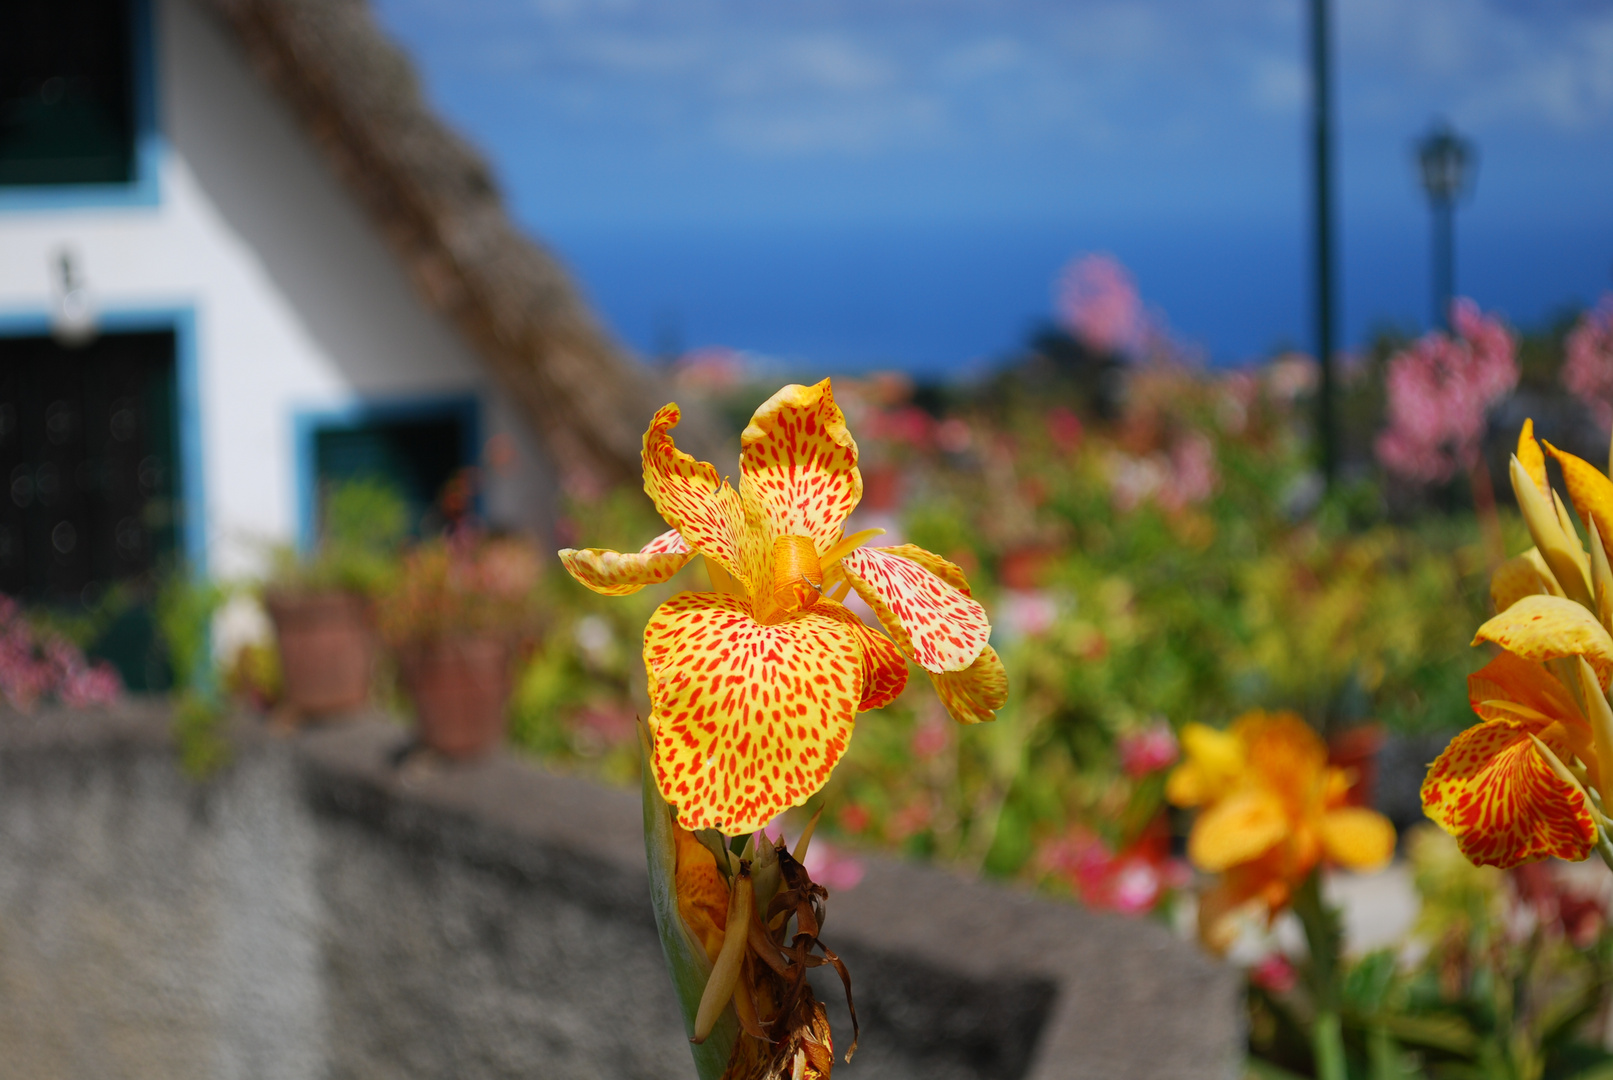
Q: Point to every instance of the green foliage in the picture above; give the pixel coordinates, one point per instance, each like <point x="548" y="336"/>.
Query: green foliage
<point x="185" y="609"/>
<point x="365" y="523"/>
<point x="1511" y="970"/>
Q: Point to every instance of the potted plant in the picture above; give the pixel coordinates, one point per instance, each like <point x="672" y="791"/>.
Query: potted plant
<point x="322" y="604"/>
<point x="459" y="611"/>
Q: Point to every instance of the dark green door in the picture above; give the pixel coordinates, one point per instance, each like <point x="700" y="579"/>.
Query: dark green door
<point x="88" y="457"/>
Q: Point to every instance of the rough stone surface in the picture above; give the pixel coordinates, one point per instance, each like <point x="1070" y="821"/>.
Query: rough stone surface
<point x="320" y="910"/>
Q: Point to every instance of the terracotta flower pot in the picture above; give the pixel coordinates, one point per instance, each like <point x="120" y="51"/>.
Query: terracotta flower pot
<point x="327" y="650"/>
<point x="460" y="688"/>
<point x="1356" y="749"/>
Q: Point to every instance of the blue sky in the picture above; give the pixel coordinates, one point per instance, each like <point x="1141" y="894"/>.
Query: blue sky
<point x="896" y="181"/>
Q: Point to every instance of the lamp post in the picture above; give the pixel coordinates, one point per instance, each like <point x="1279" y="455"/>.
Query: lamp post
<point x="1443" y="160"/>
<point x="1322" y="223"/>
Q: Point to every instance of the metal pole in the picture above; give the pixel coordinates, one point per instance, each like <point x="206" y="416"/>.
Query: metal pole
<point x="1322" y="178"/>
<point x="1444" y="261"/>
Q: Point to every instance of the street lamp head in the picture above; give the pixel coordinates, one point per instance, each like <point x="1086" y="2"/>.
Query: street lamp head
<point x="1443" y="158"/>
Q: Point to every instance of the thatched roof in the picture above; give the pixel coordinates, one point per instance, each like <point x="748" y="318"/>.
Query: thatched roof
<point x="434" y="200"/>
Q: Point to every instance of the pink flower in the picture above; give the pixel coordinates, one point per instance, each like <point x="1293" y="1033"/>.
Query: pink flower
<point x="1440" y="392"/>
<point x="1064" y="427"/>
<point x="1275" y="974"/>
<point x="1131" y="882"/>
<point x="832" y="868"/>
<point x="1143" y="753"/>
<point x="31" y="669"/>
<point x="1096" y="301"/>
<point x="1588" y="370"/>
<point x="932" y="736"/>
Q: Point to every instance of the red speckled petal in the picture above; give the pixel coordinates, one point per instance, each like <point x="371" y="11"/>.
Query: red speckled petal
<point x="798" y="464"/>
<point x="940" y="627"/>
<point x="884" y="666"/>
<point x="616" y="573"/>
<point x="693" y="500"/>
<point x="974" y="694"/>
<point x="947" y="571"/>
<point x="749" y="718"/>
<point x="1504" y="805"/>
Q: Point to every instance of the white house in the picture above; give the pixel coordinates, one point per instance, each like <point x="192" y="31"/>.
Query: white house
<point x="238" y="257"/>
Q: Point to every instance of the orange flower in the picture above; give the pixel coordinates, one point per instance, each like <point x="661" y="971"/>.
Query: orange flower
<point x="1272" y="810"/>
<point x="1492" y="790"/>
<point x="1518" y="785"/>
<point x="754" y="687"/>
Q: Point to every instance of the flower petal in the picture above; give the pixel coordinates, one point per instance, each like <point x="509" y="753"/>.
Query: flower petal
<point x="1359" y="838"/>
<point x="749" y="718"/>
<point x="1546" y="627"/>
<point x="701" y="892"/>
<point x="1237" y="829"/>
<point x="884" y="666"/>
<point x="1212" y="762"/>
<point x="944" y="569"/>
<point x="616" y="573"/>
<point x="1510" y="678"/>
<point x="1504" y="805"/>
<point x="974" y="694"/>
<point x="941" y="628"/>
<point x="1515" y="579"/>
<point x="688" y="494"/>
<point x="1532" y="460"/>
<point x="798" y="464"/>
<point x="1285" y="753"/>
<point x="1591" y="492"/>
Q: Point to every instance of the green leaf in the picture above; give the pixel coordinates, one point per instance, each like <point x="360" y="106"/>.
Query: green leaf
<point x="1259" y="1069"/>
<point x="1448" y="1033"/>
<point x="686" y="958"/>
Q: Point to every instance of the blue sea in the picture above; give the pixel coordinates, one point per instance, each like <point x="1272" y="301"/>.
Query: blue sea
<point x="944" y="299"/>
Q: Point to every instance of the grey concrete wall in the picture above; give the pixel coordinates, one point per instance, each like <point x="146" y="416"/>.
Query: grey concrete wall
<point x="317" y="910"/>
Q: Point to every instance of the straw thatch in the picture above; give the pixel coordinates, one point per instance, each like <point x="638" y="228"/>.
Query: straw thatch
<point x="434" y="200"/>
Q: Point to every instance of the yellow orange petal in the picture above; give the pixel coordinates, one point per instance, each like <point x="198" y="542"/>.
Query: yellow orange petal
<point x="1515" y="579"/>
<point x="1546" y="627"/>
<point x="974" y="694"/>
<point x="938" y="626"/>
<point x="749" y="718"/>
<point x="694" y="501"/>
<point x="1508" y="677"/>
<point x="1222" y="908"/>
<point x="1532" y="460"/>
<point x="1359" y="838"/>
<point x="1591" y="492"/>
<point x="1237" y="829"/>
<point x="617" y="573"/>
<point x="1285" y="752"/>
<point x="1491" y="790"/>
<point x="798" y="464"/>
<point x="702" y="894"/>
<point x="1212" y="762"/>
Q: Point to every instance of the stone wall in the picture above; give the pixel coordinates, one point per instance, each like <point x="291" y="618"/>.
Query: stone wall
<point x="323" y="908"/>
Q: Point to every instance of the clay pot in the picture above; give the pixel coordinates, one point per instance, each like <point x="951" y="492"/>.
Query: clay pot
<point x="460" y="688"/>
<point x="327" y="651"/>
<point x="1356" y="749"/>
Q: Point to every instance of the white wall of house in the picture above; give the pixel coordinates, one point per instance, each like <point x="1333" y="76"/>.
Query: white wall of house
<point x="298" y="304"/>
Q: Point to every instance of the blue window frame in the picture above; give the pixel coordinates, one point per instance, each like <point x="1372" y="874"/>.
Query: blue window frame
<point x="415" y="445"/>
<point x="28" y="102"/>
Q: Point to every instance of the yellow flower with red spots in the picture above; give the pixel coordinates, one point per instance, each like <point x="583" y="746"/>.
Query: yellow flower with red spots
<point x="755" y="686"/>
<point x="1271" y="809"/>
<point x="1529" y="780"/>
